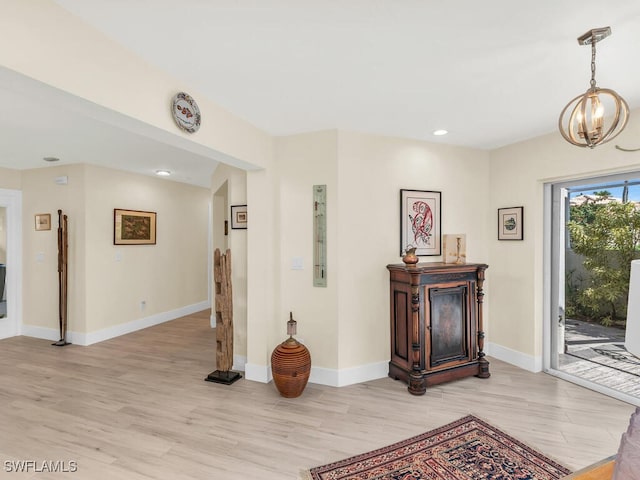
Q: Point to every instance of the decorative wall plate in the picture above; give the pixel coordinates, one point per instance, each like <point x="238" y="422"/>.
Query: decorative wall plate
<point x="185" y="112"/>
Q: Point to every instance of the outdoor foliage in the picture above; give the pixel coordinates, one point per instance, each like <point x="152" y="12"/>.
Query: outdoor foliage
<point x="608" y="236"/>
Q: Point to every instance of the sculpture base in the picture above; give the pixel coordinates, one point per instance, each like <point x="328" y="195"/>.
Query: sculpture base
<point x="227" y="377"/>
<point x="60" y="343"/>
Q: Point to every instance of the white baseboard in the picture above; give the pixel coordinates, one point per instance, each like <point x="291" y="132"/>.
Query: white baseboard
<point x="90" y="338"/>
<point x="239" y="363"/>
<point x="326" y="376"/>
<point x="348" y="376"/>
<point x="257" y="373"/>
<point x="519" y="359"/>
<point x="52" y="334"/>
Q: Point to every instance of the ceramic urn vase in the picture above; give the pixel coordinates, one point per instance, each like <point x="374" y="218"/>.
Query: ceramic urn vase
<point x="290" y="364"/>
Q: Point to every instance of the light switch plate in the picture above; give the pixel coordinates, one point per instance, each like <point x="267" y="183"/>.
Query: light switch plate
<point x="297" y="263"/>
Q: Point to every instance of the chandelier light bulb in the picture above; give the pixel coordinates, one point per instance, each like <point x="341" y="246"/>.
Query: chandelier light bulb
<point x="589" y="117"/>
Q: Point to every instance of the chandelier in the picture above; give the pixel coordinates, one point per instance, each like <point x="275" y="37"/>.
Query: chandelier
<point x="582" y="121"/>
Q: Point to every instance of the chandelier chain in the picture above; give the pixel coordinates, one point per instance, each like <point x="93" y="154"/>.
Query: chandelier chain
<point x="593" y="62"/>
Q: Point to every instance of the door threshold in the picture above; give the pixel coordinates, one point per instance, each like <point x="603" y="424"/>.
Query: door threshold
<point x="610" y="392"/>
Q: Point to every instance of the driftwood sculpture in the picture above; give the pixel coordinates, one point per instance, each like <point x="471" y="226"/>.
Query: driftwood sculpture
<point x="224" y="310"/>
<point x="63" y="248"/>
<point x="224" y="320"/>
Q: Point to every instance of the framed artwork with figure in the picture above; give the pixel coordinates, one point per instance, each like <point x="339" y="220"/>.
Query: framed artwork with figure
<point x="420" y="221"/>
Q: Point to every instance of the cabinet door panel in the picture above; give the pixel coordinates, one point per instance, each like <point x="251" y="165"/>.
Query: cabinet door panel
<point x="401" y="326"/>
<point x="448" y="325"/>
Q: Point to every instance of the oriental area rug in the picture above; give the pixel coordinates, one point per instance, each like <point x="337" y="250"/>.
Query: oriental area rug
<point x="467" y="449"/>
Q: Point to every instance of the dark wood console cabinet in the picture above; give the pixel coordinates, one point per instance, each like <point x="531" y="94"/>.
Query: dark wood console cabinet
<point x="436" y="323"/>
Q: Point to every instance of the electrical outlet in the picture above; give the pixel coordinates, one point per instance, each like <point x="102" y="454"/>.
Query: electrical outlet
<point x="143" y="304"/>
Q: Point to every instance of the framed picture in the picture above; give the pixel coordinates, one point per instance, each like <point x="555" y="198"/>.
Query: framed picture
<point x="420" y="221"/>
<point x="454" y="248"/>
<point x="238" y="216"/>
<point x="43" y="221"/>
<point x="133" y="227"/>
<point x="510" y="223"/>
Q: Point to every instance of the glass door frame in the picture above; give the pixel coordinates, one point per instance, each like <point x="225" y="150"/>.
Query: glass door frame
<point x="556" y="207"/>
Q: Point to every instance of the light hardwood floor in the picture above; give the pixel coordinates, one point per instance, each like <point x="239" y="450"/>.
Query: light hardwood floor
<point x="137" y="408"/>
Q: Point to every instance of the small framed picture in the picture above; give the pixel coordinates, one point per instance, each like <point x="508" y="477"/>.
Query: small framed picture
<point x="43" y="221"/>
<point x="454" y="248"/>
<point x="134" y="227"/>
<point x="510" y="223"/>
<point x="238" y="217"/>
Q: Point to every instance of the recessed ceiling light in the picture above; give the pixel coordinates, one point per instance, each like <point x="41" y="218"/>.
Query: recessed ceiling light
<point x="163" y="173"/>
<point x="51" y="159"/>
<point x="440" y="132"/>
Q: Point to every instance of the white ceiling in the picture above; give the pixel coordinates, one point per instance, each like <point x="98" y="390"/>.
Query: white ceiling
<point x="492" y="72"/>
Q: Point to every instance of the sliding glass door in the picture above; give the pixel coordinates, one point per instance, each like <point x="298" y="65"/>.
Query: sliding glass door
<point x="592" y="224"/>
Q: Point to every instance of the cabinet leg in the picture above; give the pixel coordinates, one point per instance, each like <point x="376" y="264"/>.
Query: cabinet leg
<point x="417" y="384"/>
<point x="483" y="363"/>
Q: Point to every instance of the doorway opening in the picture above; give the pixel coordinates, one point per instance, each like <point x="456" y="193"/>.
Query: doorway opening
<point x="594" y="237"/>
<point x="11" y="262"/>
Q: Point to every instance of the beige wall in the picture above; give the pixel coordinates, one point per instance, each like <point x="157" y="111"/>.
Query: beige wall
<point x="371" y="171"/>
<point x="166" y="276"/>
<point x="518" y="174"/>
<point x="229" y="184"/>
<point x="263" y="277"/>
<point x="107" y="282"/>
<point x="220" y="216"/>
<point x="302" y="162"/>
<point x="346" y="324"/>
<point x="60" y="50"/>
<point x="96" y="72"/>
<point x="10" y="179"/>
<point x="40" y="248"/>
